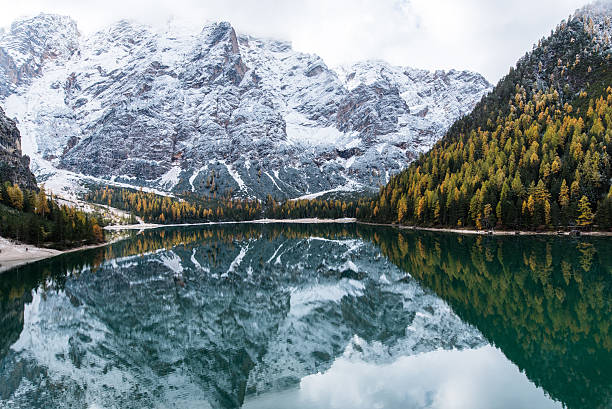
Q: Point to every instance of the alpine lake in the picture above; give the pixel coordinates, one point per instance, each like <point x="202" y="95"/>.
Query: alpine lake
<point x="343" y="316"/>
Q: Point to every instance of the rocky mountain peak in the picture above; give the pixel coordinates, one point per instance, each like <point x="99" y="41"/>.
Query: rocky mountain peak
<point x="213" y="112"/>
<point x="597" y="19"/>
<point x="30" y="43"/>
<point x="216" y="57"/>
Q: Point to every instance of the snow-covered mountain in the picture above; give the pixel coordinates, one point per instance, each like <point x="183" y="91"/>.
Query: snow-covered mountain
<point x="211" y="111"/>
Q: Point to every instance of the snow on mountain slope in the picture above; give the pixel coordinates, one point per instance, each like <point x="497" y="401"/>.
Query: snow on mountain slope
<point x="29" y="44"/>
<point x="212" y="111"/>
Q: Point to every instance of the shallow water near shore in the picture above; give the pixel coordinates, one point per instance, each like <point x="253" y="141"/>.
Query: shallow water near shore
<point x="311" y="316"/>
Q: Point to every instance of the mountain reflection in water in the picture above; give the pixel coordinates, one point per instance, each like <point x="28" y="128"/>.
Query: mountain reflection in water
<point x="310" y="316"/>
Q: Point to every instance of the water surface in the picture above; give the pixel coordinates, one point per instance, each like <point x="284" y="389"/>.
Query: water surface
<point x="311" y="316"/>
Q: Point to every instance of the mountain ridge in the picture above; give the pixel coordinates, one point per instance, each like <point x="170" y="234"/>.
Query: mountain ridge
<point x="218" y="112"/>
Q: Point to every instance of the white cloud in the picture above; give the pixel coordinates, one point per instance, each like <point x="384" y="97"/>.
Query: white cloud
<point x="487" y="36"/>
<point x="478" y="379"/>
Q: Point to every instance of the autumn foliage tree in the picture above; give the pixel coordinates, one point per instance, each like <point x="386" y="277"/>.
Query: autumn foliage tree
<point x="585" y="214"/>
<point x="527" y="154"/>
<point x="36" y="218"/>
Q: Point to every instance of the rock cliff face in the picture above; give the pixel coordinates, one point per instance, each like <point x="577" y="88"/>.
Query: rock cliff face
<point x="31" y="43"/>
<point x="214" y="111"/>
<point x="14" y="167"/>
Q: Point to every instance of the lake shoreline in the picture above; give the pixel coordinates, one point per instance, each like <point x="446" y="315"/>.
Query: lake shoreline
<point x="16" y="254"/>
<point x="490" y="232"/>
<point x="146" y="226"/>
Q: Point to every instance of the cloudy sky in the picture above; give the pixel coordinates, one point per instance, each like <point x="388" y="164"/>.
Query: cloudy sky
<point x="487" y="36"/>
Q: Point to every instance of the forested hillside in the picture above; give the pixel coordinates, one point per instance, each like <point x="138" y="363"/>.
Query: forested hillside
<point x="27" y="213"/>
<point x="36" y="218"/>
<point x="534" y="153"/>
<point x="189" y="207"/>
